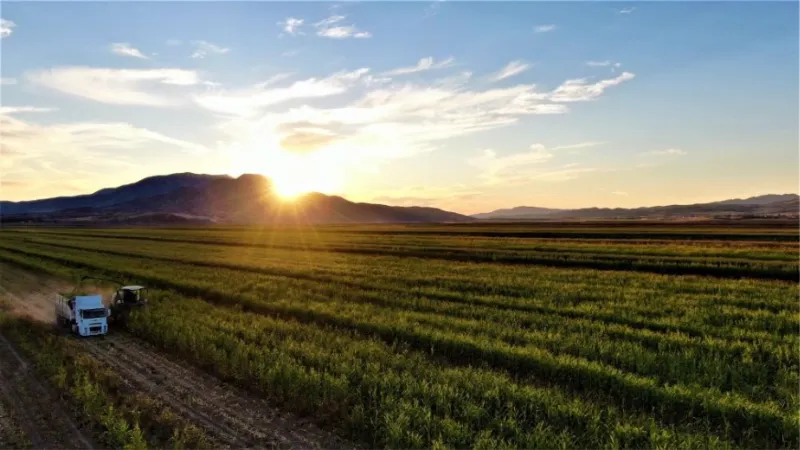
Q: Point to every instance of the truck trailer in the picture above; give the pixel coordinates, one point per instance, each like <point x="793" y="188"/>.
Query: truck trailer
<point x="85" y="315"/>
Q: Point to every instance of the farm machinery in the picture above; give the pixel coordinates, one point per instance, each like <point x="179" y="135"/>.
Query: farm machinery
<point x="87" y="315"/>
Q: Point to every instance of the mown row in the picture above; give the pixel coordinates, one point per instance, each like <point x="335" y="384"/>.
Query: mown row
<point x="780" y="264"/>
<point x="389" y="396"/>
<point x="120" y="417"/>
<point x="731" y="379"/>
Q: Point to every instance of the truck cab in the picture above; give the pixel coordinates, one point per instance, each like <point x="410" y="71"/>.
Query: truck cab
<point x="86" y="315"/>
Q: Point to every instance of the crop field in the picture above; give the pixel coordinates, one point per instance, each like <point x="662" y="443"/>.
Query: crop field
<point x="473" y="336"/>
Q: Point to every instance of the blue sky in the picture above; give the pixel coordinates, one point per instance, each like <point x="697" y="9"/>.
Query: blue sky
<point x="465" y="106"/>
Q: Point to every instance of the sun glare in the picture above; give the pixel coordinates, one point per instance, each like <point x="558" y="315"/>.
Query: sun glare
<point x="291" y="175"/>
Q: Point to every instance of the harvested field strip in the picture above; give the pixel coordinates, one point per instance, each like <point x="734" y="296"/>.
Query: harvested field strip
<point x="787" y="234"/>
<point x="387" y="273"/>
<point x="648" y="309"/>
<point x="721" y="267"/>
<point x="786" y="251"/>
<point x="372" y="399"/>
<point x="600" y="380"/>
<point x="125" y="419"/>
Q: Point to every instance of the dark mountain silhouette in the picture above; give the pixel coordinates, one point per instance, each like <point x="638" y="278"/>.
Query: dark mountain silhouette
<point x="194" y="198"/>
<point x="763" y="205"/>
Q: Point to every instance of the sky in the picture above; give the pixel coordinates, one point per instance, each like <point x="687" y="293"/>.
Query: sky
<point x="464" y="106"/>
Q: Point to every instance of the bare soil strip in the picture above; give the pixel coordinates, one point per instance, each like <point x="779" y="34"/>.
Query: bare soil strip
<point x="231" y="416"/>
<point x="41" y="414"/>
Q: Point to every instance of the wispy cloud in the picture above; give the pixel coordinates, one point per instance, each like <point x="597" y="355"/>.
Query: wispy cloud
<point x="666" y="152"/>
<point x="6" y="28"/>
<point x="620" y="193"/>
<point x="291" y="26"/>
<point x="495" y="168"/>
<point x="578" y="90"/>
<point x="146" y="87"/>
<point x="332" y="27"/>
<point x="5" y="81"/>
<point x="248" y="101"/>
<point x="626" y="10"/>
<point x="598" y="63"/>
<point x="544" y="28"/>
<point x="125" y="49"/>
<point x="579" y="145"/>
<point x="205" y="48"/>
<point x="511" y="69"/>
<point x="57" y="152"/>
<point x="432" y="9"/>
<point x="7" y="110"/>
<point x="422" y="65"/>
<point x="524" y="167"/>
<point x="384" y="122"/>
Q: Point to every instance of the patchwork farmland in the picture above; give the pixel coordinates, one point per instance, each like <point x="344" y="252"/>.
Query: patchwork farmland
<point x="445" y="336"/>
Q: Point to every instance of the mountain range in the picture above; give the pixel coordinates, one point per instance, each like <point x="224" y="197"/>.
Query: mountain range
<point x="762" y="205"/>
<point x="197" y="198"/>
<point x="188" y="198"/>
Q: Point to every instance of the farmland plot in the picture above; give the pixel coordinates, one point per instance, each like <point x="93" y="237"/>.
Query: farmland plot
<point x="469" y="337"/>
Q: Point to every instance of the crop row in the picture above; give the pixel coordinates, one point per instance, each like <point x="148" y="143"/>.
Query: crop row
<point x="390" y="397"/>
<point x="452" y="281"/>
<point x="710" y="249"/>
<point x="125" y="419"/>
<point x="788" y="233"/>
<point x="597" y="379"/>
<point x="629" y="305"/>
<point x="722" y="267"/>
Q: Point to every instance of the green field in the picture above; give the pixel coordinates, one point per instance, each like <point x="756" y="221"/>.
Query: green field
<point x="480" y="336"/>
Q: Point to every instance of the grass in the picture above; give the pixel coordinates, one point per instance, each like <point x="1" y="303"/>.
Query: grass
<point x="475" y="336"/>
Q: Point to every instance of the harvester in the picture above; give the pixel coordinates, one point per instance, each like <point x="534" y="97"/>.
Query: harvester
<point x="86" y="314"/>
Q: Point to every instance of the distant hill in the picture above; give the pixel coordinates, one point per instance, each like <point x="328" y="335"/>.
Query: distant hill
<point x="763" y="205"/>
<point x="194" y="198"/>
<point x="527" y="212"/>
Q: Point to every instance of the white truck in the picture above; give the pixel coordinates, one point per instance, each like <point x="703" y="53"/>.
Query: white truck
<point x="85" y="315"/>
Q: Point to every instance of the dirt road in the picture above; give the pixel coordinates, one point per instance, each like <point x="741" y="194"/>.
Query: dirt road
<point x="232" y="417"/>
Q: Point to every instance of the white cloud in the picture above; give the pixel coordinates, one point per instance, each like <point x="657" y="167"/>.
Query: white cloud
<point x="351" y="120"/>
<point x="7" y="81"/>
<point x="620" y="193"/>
<point x="7" y="110"/>
<point x="666" y="152"/>
<point x="524" y="167"/>
<point x="125" y="49"/>
<point x="45" y="151"/>
<point x="432" y="9"/>
<point x="578" y="145"/>
<point x="330" y="28"/>
<point x="626" y="10"/>
<point x="544" y="28"/>
<point x="511" y="69"/>
<point x="6" y="28"/>
<point x="598" y="63"/>
<point x="148" y="87"/>
<point x="248" y="101"/>
<point x="578" y="90"/>
<point x="422" y="65"/>
<point x="495" y="168"/>
<point x="292" y="26"/>
<point x="204" y="48"/>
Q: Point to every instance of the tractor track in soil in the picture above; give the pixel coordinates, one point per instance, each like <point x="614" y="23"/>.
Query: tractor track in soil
<point x="231" y="416"/>
<point x="40" y="414"/>
<point x="228" y="415"/>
